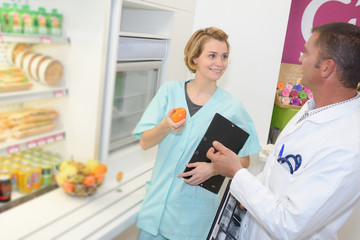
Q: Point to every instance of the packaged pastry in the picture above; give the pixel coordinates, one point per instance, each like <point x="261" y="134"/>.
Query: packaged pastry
<point x="50" y="72"/>
<point x="19" y="60"/>
<point x="27" y="60"/>
<point x="14" y="49"/>
<point x="34" y="66"/>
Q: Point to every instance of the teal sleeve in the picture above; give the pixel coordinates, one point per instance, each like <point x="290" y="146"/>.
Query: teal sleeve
<point x="154" y="113"/>
<point x="252" y="145"/>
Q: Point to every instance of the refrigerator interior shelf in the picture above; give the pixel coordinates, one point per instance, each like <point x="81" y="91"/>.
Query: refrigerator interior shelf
<point x="24" y="38"/>
<point x="130" y="104"/>
<point x="11" y="146"/>
<point x="121" y="114"/>
<point x="144" y="35"/>
<point x="37" y="92"/>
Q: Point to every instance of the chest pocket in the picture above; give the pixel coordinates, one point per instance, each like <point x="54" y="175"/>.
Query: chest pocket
<point x="279" y="179"/>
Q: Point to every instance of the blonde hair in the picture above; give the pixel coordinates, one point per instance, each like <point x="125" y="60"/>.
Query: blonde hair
<point x="195" y="45"/>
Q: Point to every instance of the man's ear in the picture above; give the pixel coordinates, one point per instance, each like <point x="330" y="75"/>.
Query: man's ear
<point x="327" y="68"/>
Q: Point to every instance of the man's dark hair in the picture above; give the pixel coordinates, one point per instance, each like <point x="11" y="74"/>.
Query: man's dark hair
<point x="341" y="42"/>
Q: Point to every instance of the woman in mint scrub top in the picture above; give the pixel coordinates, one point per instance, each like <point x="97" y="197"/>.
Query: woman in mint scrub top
<point x="174" y="207"/>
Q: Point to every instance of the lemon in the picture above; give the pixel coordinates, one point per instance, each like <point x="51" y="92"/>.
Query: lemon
<point x="60" y="178"/>
<point x="92" y="164"/>
<point x="70" y="173"/>
<point x="64" y="165"/>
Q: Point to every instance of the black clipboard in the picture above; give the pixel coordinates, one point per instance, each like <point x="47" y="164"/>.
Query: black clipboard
<point x="224" y="131"/>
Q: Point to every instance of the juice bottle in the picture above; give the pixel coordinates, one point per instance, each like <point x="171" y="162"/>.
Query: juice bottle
<point x="46" y="174"/>
<point x="36" y="175"/>
<point x="55" y="23"/>
<point x="5" y="186"/>
<point x="15" y="21"/>
<point x="25" y="183"/>
<point x="28" y="19"/>
<point x="4" y="18"/>
<point x="41" y="20"/>
<point x="15" y="169"/>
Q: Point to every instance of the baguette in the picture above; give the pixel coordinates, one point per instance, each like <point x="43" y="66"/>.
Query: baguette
<point x="13" y="78"/>
<point x="28" y="129"/>
<point x="16" y="84"/>
<point x="12" y="119"/>
<point x="2" y="136"/>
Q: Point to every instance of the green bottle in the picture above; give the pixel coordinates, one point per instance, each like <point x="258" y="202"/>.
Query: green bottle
<point x="15" y="21"/>
<point x="4" y="18"/>
<point x="28" y="19"/>
<point x="55" y="23"/>
<point x="41" y="20"/>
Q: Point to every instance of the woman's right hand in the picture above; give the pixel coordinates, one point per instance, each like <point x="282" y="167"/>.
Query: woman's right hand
<point x="153" y="136"/>
<point x="179" y="126"/>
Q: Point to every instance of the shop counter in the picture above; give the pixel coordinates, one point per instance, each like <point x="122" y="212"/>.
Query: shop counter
<point x="104" y="215"/>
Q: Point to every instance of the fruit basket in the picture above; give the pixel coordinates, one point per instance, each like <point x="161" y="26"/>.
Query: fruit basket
<point x="80" y="179"/>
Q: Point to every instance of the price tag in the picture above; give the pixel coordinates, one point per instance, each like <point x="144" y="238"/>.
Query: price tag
<point x="59" y="137"/>
<point x="59" y="93"/>
<point x="50" y="139"/>
<point x="45" y="39"/>
<point x="41" y="142"/>
<point x="13" y="149"/>
<point x="31" y="144"/>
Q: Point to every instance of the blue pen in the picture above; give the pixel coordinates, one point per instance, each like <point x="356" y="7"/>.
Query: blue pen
<point x="281" y="151"/>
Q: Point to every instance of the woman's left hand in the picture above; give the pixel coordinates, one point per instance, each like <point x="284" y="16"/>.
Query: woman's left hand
<point x="202" y="171"/>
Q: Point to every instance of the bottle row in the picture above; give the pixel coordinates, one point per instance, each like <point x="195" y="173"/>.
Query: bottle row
<point x="26" y="21"/>
<point x="27" y="171"/>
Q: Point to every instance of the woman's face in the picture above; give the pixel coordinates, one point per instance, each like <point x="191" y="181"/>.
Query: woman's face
<point x="213" y="61"/>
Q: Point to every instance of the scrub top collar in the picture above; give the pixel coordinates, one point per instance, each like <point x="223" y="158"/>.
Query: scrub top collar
<point x="205" y="106"/>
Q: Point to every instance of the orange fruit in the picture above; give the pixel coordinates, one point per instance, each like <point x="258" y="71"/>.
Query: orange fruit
<point x="89" y="180"/>
<point x="119" y="176"/>
<point x="99" y="172"/>
<point x="99" y="178"/>
<point x="68" y="186"/>
<point x="100" y="169"/>
<point x="179" y="114"/>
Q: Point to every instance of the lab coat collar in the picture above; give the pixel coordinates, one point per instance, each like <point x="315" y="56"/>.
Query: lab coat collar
<point x="324" y="116"/>
<point x="334" y="112"/>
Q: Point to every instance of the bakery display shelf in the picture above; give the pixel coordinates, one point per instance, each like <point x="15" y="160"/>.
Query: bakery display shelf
<point x="37" y="92"/>
<point x="24" y="38"/>
<point x="11" y="146"/>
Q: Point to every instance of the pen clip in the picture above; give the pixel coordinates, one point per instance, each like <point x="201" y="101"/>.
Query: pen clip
<point x="281" y="150"/>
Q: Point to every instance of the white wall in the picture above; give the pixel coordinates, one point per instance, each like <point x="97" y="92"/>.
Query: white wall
<point x="256" y="32"/>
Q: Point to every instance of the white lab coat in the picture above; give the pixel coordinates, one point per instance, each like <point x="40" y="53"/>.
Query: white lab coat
<point x="316" y="200"/>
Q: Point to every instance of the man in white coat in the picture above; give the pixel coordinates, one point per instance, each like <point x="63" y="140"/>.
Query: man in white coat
<point x="311" y="179"/>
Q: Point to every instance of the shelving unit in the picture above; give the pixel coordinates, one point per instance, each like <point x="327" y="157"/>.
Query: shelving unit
<point x="11" y="38"/>
<point x="15" y="145"/>
<point x="17" y="99"/>
<point x="38" y="92"/>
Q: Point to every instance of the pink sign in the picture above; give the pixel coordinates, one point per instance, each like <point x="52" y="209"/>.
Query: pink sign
<point x="306" y="14"/>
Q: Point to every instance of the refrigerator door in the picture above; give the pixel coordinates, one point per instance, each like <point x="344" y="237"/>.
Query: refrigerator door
<point x="135" y="85"/>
